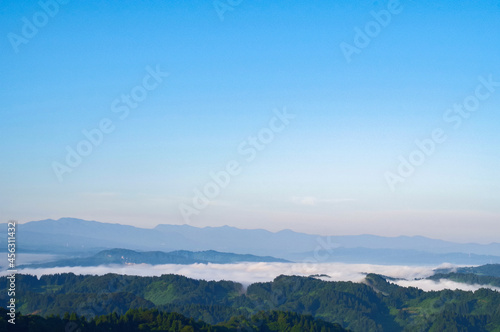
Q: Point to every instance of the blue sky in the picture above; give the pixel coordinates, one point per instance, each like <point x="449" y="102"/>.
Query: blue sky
<point x="326" y="172"/>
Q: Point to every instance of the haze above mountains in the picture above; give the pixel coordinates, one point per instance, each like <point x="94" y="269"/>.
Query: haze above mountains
<point x="71" y="236"/>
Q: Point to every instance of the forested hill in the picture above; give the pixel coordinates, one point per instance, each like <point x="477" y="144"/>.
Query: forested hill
<point x="491" y="270"/>
<point x="474" y="275"/>
<point x="153" y="320"/>
<point x="125" y="256"/>
<point x="375" y="305"/>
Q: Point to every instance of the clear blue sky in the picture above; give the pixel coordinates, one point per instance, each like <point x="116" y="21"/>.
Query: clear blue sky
<point x="324" y="173"/>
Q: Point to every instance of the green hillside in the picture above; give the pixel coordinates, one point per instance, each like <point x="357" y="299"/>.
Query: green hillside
<point x="125" y="256"/>
<point x="375" y="305"/>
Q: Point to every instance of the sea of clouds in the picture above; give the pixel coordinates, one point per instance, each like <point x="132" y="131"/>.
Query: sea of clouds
<point x="248" y="273"/>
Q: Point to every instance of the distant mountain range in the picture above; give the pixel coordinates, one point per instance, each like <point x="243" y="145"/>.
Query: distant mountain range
<point x="125" y="256"/>
<point x="75" y="236"/>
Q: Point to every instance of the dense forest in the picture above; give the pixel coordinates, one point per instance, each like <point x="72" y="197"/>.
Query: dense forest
<point x="154" y="320"/>
<point x="468" y="278"/>
<point x="492" y="270"/>
<point x="375" y="305"/>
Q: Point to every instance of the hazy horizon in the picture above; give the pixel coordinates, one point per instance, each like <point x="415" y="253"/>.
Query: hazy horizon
<point x="248" y="227"/>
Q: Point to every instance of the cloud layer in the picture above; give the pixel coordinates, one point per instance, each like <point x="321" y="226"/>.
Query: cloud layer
<point x="431" y="285"/>
<point x="248" y="273"/>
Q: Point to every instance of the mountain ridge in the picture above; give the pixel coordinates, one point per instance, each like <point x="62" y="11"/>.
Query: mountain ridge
<point x="71" y="235"/>
<point x="120" y="256"/>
